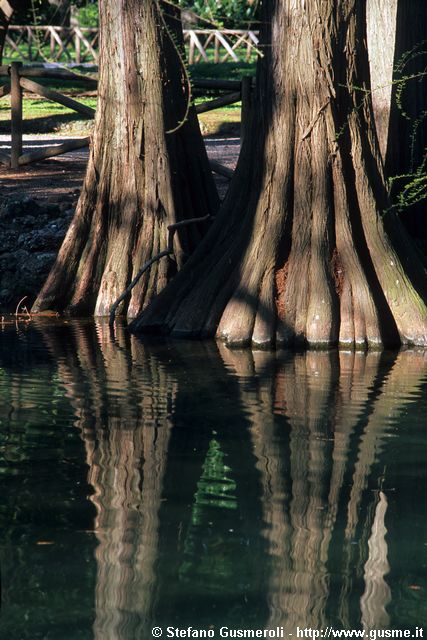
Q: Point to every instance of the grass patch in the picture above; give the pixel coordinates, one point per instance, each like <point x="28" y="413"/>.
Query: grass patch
<point x="42" y="54"/>
<point x="222" y="71"/>
<point x="44" y="116"/>
<point x="221" y="122"/>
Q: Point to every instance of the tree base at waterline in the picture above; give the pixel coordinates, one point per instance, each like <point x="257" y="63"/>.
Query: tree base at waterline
<point x="305" y="250"/>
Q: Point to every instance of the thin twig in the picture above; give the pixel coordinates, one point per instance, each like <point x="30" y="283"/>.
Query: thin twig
<point x="27" y="312"/>
<point x="313" y="123"/>
<point x="166" y="252"/>
<point x="19" y="304"/>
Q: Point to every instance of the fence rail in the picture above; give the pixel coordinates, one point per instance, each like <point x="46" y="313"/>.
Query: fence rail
<point x="80" y="44"/>
<point x="20" y="78"/>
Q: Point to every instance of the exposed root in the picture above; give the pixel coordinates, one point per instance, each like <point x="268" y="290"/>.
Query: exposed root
<point x="322" y="199"/>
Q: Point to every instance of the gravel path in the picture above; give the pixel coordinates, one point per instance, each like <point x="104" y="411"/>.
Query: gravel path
<point x="51" y="179"/>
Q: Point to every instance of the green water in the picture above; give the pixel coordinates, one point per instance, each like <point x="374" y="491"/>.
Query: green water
<point x="166" y="484"/>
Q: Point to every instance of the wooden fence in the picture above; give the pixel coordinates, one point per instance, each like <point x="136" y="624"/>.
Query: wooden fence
<point x="20" y="79"/>
<point x="220" y="46"/>
<point x="80" y="44"/>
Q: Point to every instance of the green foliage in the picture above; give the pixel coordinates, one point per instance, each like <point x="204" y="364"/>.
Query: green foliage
<point x="231" y="14"/>
<point x="88" y="15"/>
<point x="46" y="13"/>
<point x="411" y="188"/>
<point x="237" y="14"/>
<point x="229" y="70"/>
<point x="215" y="487"/>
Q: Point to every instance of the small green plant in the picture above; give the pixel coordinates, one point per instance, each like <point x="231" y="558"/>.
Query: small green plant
<point x="410" y="188"/>
<point x="228" y="14"/>
<point x="88" y="16"/>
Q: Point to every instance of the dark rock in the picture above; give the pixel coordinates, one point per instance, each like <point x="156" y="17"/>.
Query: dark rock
<point x="8" y="241"/>
<point x="5" y="296"/>
<point x="52" y="210"/>
<point x="64" y="206"/>
<point x="38" y="241"/>
<point x="30" y="236"/>
<point x="7" y="261"/>
<point x="27" y="221"/>
<point x="19" y="208"/>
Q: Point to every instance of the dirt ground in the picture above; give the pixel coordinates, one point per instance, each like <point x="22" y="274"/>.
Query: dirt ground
<point x="50" y="180"/>
<point x="37" y="203"/>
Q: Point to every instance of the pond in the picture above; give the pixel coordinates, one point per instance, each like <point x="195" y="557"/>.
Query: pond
<point x="166" y="484"/>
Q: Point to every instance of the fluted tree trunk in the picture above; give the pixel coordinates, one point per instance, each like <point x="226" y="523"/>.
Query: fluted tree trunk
<point x="148" y="168"/>
<point x="303" y="256"/>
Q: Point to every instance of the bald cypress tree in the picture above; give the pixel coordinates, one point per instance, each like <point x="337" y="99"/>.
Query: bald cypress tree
<point x="397" y="44"/>
<point x="147" y="169"/>
<point x="305" y="249"/>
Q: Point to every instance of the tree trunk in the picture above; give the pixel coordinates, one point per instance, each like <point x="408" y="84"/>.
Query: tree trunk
<point x="62" y="12"/>
<point x="148" y="168"/>
<point x="302" y="257"/>
<point x="381" y="33"/>
<point x="397" y="61"/>
<point x="6" y="12"/>
<point x="7" y="8"/>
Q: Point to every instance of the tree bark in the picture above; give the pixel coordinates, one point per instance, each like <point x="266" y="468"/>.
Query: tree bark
<point x="148" y="168"/>
<point x="302" y="256"/>
<point x="381" y="33"/>
<point x="397" y="57"/>
<point x="7" y="9"/>
<point x="6" y="12"/>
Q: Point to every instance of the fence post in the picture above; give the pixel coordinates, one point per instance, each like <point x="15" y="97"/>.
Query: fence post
<point x="246" y="91"/>
<point x="216" y="50"/>
<point x="77" y="45"/>
<point x="29" y="38"/>
<point x="16" y="114"/>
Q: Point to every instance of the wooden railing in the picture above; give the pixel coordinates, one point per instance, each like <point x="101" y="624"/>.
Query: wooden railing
<point x="56" y="44"/>
<point x="80" y="44"/>
<point x="220" y="46"/>
<point x="20" y="79"/>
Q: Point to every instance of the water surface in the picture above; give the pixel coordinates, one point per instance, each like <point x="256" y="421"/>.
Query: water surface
<point x="180" y="483"/>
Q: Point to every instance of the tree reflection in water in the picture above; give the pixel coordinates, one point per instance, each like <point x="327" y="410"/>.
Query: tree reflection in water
<point x="235" y="487"/>
<point x="315" y="468"/>
<point x="122" y="399"/>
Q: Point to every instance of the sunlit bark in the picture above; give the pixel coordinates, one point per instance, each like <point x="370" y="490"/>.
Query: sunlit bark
<point x="397" y="34"/>
<point x="147" y="169"/>
<point x="303" y="256"/>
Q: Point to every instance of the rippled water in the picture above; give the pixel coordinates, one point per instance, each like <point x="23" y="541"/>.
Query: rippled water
<point x="159" y="483"/>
